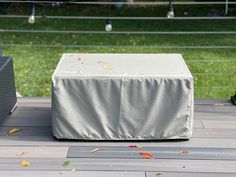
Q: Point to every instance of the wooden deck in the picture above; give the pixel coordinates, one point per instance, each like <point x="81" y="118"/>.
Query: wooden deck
<point x="211" y="152"/>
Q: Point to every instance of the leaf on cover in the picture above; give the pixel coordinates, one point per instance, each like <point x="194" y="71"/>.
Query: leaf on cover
<point x="105" y="65"/>
<point x="146" y="155"/>
<point x="184" y="151"/>
<point x="13" y="131"/>
<point x="81" y="59"/>
<point x="101" y="62"/>
<point x="135" y="146"/>
<point x="66" y="163"/>
<point x="25" y="163"/>
<point x="95" y="150"/>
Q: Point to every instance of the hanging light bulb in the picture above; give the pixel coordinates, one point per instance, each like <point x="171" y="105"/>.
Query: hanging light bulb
<point x="31" y="18"/>
<point x="170" y="13"/>
<point x="108" y="26"/>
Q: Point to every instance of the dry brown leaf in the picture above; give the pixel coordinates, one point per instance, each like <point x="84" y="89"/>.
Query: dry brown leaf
<point x="13" y="131"/>
<point x="184" y="151"/>
<point x="95" y="150"/>
<point x="147" y="155"/>
<point x="135" y="146"/>
<point x="25" y="163"/>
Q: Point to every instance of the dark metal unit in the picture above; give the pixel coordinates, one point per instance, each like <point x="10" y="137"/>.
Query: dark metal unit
<point x="7" y="87"/>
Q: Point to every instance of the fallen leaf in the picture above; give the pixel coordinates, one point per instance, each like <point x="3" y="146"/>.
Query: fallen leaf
<point x="219" y="104"/>
<point x="95" y="150"/>
<point x="135" y="146"/>
<point x="20" y="153"/>
<point x="13" y="131"/>
<point x="158" y="174"/>
<point x="73" y="169"/>
<point x="184" y="152"/>
<point x="25" y="163"/>
<point x="147" y="155"/>
<point x="66" y="163"/>
<point x="101" y="62"/>
<point x="81" y="59"/>
<point x="107" y="67"/>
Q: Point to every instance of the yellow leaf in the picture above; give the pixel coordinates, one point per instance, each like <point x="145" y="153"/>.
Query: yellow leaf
<point x="107" y="67"/>
<point x="81" y="59"/>
<point x="135" y="146"/>
<point x="13" y="131"/>
<point x="25" y="163"/>
<point x="139" y="146"/>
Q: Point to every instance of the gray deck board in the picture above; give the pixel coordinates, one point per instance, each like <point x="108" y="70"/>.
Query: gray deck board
<point x="211" y="150"/>
<point x="157" y="152"/>
<point x="89" y="164"/>
<point x="109" y="174"/>
<point x="214" y="133"/>
<point x="71" y="174"/>
<point x="214" y="109"/>
<point x="214" y="116"/>
<point x="175" y="174"/>
<point x="211" y="101"/>
<point x="219" y="124"/>
<point x="37" y="151"/>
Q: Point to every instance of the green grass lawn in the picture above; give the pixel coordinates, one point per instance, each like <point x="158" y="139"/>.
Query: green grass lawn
<point x="213" y="69"/>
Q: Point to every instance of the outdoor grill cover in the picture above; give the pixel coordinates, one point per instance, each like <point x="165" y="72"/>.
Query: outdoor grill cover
<point x="122" y="97"/>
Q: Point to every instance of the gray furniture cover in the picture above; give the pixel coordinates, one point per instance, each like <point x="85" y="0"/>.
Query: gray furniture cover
<point x="122" y="97"/>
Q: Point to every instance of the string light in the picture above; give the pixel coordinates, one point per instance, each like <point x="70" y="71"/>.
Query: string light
<point x="108" y="26"/>
<point x="170" y="12"/>
<point x="31" y="18"/>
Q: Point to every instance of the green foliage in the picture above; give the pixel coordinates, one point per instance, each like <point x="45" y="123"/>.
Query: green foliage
<point x="35" y="65"/>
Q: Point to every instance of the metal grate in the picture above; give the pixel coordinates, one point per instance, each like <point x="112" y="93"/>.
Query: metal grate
<point x="7" y="87"/>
